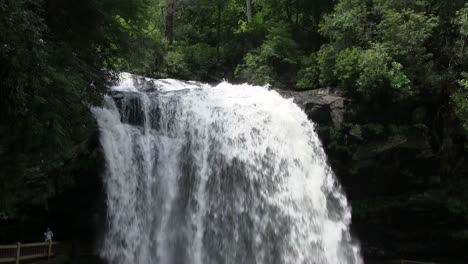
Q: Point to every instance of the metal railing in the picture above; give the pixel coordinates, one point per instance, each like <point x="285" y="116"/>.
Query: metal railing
<point x="19" y="252"/>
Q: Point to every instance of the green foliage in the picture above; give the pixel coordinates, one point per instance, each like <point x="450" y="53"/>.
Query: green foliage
<point x="461" y="21"/>
<point x="380" y="76"/>
<point x="196" y="61"/>
<point x="405" y="32"/>
<point x="347" y="66"/>
<point x="459" y="98"/>
<point x="202" y="58"/>
<point x="373" y="130"/>
<point x="326" y="59"/>
<point x="404" y="35"/>
<point x="460" y="102"/>
<point x="52" y="59"/>
<point x="272" y="45"/>
<point x="347" y="26"/>
<point x="175" y="65"/>
<point x="278" y="54"/>
<point x="309" y="73"/>
<point x="383" y="47"/>
<point x="255" y="69"/>
<point x="375" y="46"/>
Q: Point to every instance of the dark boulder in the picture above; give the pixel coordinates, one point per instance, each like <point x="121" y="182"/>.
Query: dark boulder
<point x="324" y="106"/>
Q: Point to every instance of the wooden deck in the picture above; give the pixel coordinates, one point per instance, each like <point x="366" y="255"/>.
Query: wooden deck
<point x="33" y="251"/>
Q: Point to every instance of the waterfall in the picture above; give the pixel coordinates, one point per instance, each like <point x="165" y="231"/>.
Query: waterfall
<point x="225" y="174"/>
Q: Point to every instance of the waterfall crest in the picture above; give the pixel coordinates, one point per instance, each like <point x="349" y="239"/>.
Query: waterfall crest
<point x="201" y="174"/>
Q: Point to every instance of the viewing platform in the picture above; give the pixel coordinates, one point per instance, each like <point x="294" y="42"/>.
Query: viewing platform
<point x="35" y="252"/>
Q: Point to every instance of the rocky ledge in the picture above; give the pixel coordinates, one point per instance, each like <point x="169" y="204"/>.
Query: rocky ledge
<point x="403" y="173"/>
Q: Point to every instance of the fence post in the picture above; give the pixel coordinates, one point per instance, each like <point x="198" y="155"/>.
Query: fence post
<point x="74" y="250"/>
<point x="18" y="252"/>
<point x="49" y="251"/>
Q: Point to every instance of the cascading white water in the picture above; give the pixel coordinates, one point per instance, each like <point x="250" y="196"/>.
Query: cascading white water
<point x="226" y="174"/>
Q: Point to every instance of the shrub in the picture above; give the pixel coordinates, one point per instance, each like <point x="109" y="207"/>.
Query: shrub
<point x="347" y="66"/>
<point x="275" y="57"/>
<point x="380" y="76"/>
<point x="308" y="75"/>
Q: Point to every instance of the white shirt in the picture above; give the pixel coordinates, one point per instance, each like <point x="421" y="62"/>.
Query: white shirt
<point x="48" y="235"/>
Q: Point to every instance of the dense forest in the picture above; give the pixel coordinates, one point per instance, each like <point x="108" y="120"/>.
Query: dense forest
<point x="57" y="58"/>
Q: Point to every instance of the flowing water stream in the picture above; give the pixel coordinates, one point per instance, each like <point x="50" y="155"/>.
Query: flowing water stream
<point x="225" y="174"/>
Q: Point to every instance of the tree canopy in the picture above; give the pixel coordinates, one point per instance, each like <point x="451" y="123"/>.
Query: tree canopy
<point x="55" y="59"/>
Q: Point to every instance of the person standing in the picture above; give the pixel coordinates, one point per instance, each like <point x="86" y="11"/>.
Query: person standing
<point x="48" y="235"/>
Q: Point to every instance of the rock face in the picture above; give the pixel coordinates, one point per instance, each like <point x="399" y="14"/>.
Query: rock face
<point x="402" y="173"/>
<point x="325" y="106"/>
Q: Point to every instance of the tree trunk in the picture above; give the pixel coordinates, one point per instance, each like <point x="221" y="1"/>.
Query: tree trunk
<point x="169" y="20"/>
<point x="218" y="30"/>
<point x="297" y="13"/>
<point x="288" y="10"/>
<point x="249" y="11"/>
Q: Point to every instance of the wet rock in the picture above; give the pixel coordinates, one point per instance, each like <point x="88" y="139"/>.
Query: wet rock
<point x="323" y="106"/>
<point x="373" y="149"/>
<point x="356" y="132"/>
